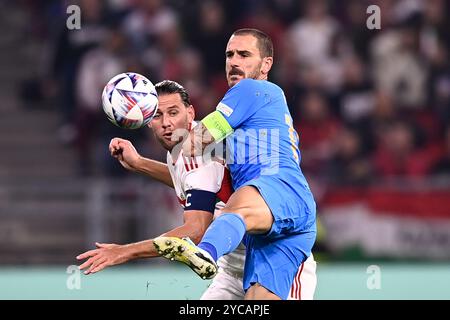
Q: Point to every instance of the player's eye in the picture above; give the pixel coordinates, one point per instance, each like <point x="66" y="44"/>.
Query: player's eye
<point x="229" y="54"/>
<point x="173" y="113"/>
<point x="157" y="116"/>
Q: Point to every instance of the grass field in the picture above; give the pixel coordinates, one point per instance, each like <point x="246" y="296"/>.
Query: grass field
<point x="166" y="281"/>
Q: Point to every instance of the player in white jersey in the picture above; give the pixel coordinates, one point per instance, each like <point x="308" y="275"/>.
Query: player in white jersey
<point x="202" y="188"/>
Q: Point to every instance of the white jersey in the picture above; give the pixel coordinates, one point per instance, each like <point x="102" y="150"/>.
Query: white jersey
<point x="193" y="174"/>
<point x="198" y="175"/>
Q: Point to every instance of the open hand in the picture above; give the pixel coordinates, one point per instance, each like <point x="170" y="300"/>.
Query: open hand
<point x="106" y="255"/>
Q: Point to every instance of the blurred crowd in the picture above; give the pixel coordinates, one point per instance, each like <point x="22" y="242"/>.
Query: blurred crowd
<point x="367" y="104"/>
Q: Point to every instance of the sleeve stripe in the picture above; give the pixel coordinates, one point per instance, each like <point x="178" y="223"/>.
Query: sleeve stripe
<point x="186" y="166"/>
<point x="194" y="159"/>
<point x="190" y="163"/>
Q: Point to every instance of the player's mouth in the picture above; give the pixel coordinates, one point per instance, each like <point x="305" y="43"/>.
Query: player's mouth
<point x="235" y="74"/>
<point x="235" y="77"/>
<point x="167" y="135"/>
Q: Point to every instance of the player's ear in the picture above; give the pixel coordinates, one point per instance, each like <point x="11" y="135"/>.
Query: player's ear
<point x="191" y="113"/>
<point x="266" y="65"/>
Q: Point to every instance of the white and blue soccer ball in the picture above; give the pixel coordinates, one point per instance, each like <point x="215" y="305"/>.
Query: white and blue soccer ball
<point x="130" y="100"/>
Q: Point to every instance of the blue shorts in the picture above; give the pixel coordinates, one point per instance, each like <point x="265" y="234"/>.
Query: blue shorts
<point x="273" y="259"/>
<point x="291" y="204"/>
<point x="274" y="263"/>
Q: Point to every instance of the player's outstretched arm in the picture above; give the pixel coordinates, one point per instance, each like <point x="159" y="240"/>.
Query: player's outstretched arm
<point x="107" y="254"/>
<point x="124" y="151"/>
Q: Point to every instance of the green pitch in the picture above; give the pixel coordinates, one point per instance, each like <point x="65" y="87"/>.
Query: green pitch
<point x="166" y="281"/>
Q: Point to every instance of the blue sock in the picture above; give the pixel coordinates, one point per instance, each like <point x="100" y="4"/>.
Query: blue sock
<point x="223" y="235"/>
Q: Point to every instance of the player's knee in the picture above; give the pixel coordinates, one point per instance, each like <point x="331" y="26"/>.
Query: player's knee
<point x="254" y="222"/>
<point x="258" y="292"/>
<point x="239" y="214"/>
<point x="258" y="223"/>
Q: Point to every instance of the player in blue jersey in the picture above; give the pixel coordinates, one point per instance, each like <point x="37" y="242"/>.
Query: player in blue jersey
<point x="272" y="209"/>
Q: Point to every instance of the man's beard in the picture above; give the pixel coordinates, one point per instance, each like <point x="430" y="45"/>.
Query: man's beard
<point x="165" y="144"/>
<point x="170" y="145"/>
<point x="254" y="74"/>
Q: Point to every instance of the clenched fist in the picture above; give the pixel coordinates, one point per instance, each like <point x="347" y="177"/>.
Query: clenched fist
<point x="124" y="151"/>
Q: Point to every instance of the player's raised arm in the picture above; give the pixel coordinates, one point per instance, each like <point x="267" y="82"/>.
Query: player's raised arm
<point x="124" y="151"/>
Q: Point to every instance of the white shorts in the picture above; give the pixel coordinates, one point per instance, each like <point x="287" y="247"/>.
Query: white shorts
<point x="227" y="287"/>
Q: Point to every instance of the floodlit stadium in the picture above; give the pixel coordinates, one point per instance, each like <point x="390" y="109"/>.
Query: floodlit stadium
<point x="367" y="84"/>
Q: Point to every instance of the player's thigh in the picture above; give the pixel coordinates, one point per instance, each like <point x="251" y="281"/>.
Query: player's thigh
<point x="258" y="292"/>
<point x="250" y="205"/>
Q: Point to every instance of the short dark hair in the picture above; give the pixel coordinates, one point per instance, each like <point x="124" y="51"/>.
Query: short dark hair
<point x="170" y="87"/>
<point x="265" y="44"/>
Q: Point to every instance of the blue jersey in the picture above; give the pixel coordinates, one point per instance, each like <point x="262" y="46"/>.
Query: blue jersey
<point x="263" y="152"/>
<point x="264" y="141"/>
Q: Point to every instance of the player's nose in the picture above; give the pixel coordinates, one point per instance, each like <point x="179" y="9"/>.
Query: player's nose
<point x="233" y="61"/>
<point x="166" y="122"/>
<point x="234" y="64"/>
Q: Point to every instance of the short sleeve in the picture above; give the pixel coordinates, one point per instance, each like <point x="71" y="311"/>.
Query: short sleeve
<point x="242" y="101"/>
<point x="208" y="177"/>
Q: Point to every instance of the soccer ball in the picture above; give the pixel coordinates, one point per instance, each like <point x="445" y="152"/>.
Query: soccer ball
<point x="130" y="100"/>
